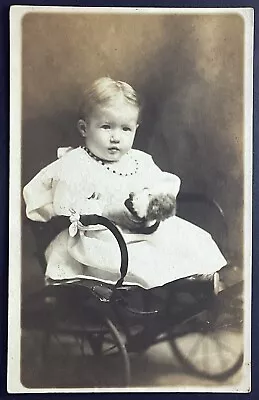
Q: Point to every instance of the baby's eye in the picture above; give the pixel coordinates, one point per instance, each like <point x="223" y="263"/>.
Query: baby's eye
<point x="105" y="126"/>
<point x="126" y="128"/>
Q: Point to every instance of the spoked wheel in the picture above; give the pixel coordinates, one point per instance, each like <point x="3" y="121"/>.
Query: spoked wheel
<point x="210" y="344"/>
<point x="98" y="357"/>
<point x="92" y="355"/>
<point x="105" y="357"/>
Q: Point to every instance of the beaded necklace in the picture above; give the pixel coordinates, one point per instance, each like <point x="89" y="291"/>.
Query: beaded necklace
<point x="109" y="168"/>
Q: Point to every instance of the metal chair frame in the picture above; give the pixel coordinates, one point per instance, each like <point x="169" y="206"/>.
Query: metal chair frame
<point x="96" y="312"/>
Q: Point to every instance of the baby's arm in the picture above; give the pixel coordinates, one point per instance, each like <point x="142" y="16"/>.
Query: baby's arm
<point x="157" y="201"/>
<point x="118" y="213"/>
<point x="46" y="195"/>
<point x="38" y="195"/>
<point x="165" y="183"/>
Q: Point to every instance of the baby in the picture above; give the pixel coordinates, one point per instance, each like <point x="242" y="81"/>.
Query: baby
<point x="106" y="176"/>
<point x="109" y="135"/>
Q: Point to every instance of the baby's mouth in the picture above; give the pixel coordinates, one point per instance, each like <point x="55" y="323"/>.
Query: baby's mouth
<point x="113" y="149"/>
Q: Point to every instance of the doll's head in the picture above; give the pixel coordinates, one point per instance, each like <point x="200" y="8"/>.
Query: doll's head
<point x="109" y="118"/>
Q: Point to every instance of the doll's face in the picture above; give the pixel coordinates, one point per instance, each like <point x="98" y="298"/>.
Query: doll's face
<point x="111" y="129"/>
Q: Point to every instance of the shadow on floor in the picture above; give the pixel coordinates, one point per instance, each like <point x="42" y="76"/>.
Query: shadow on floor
<point x="155" y="368"/>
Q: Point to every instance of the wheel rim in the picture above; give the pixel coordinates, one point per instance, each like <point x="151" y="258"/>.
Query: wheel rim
<point x="210" y="347"/>
<point x="92" y="358"/>
<point x="110" y="365"/>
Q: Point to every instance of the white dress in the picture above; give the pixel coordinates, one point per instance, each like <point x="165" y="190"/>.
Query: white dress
<point x="77" y="181"/>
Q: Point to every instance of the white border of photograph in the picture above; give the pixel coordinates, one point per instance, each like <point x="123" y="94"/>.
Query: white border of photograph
<point x="14" y="330"/>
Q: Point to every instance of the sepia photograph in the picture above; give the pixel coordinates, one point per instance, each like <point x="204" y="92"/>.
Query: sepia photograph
<point x="130" y="199"/>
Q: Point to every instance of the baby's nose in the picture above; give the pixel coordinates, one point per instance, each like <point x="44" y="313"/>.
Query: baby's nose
<point x="115" y="137"/>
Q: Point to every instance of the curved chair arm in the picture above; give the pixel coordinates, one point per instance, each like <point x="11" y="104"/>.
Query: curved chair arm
<point x="200" y="198"/>
<point x="192" y="197"/>
<point x="94" y="219"/>
<point x="45" y="232"/>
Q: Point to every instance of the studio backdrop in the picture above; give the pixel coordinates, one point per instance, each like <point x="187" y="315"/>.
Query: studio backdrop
<point x="187" y="68"/>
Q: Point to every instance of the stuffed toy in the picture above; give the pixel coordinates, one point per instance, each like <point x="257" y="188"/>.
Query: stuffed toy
<point x="148" y="206"/>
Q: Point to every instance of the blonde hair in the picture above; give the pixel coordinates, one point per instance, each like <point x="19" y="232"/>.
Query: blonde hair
<point x="104" y="91"/>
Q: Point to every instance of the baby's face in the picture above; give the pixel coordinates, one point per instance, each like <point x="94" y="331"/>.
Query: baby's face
<point x="111" y="130"/>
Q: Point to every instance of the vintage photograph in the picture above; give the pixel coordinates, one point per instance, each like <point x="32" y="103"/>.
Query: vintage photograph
<point x="130" y="199"/>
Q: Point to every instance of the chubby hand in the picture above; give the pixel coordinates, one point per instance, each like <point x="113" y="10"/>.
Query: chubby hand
<point x="150" y="207"/>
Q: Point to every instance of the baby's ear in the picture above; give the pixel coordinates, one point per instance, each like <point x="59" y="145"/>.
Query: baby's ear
<point x="82" y="127"/>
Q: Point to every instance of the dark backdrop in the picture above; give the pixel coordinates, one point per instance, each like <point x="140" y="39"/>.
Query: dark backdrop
<point x="187" y="68"/>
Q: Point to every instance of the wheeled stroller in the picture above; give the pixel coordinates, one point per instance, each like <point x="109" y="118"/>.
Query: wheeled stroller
<point x="103" y="324"/>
